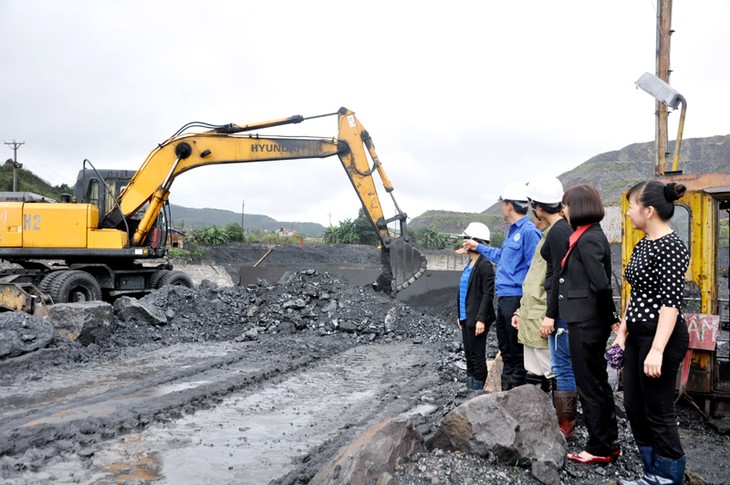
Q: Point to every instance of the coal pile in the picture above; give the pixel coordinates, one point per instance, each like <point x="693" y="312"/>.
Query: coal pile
<point x="302" y="301"/>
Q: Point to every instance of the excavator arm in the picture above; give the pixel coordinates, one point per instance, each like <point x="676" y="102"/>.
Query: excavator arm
<point x="150" y="186"/>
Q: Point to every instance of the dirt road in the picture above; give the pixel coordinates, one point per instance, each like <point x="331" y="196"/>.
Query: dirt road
<point x="217" y="413"/>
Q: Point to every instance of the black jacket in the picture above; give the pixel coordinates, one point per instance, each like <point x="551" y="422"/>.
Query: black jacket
<point x="479" y="294"/>
<point x="585" y="280"/>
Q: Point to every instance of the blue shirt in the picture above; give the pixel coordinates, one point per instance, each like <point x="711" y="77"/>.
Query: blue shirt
<point x="513" y="257"/>
<point x="463" y="288"/>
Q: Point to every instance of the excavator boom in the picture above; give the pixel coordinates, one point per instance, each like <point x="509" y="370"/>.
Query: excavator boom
<point x="150" y="185"/>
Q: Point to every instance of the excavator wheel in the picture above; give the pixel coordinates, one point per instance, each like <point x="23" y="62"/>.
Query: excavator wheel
<point x="74" y="286"/>
<point x="156" y="278"/>
<point x="175" y="278"/>
<point x="45" y="284"/>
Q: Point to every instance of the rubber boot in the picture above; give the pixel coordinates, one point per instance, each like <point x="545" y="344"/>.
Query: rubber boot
<point x="470" y="382"/>
<point x="566" y="407"/>
<point x="506" y="382"/>
<point x="477" y="385"/>
<point x="668" y="471"/>
<point x="647" y="456"/>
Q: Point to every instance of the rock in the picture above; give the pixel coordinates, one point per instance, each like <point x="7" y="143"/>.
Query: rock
<point x="127" y="308"/>
<point x="373" y="456"/>
<point x="21" y="333"/>
<point x="390" y="319"/>
<point x="207" y="284"/>
<point x="251" y="334"/>
<point x="494" y="374"/>
<point x="517" y="427"/>
<point x="349" y="327"/>
<point x="87" y="322"/>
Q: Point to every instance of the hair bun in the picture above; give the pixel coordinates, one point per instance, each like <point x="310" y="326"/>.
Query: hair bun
<point x="674" y="191"/>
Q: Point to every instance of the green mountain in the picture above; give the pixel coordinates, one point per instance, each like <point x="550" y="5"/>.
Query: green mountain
<point x="27" y="181"/>
<point x="454" y="222"/>
<point x="251" y="222"/>
<point x="614" y="172"/>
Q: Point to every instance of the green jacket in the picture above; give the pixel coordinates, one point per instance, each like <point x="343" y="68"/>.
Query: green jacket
<point x="533" y="303"/>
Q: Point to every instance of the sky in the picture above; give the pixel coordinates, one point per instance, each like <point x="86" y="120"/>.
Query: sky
<point x="460" y="98"/>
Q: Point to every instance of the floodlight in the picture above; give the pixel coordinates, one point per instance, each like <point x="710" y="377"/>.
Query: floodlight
<point x="664" y="93"/>
<point x="660" y="90"/>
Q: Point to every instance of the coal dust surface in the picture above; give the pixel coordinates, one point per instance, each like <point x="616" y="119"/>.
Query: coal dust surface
<point x="263" y="383"/>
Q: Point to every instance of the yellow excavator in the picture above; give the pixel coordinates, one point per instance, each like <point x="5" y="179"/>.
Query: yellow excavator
<point x="90" y="246"/>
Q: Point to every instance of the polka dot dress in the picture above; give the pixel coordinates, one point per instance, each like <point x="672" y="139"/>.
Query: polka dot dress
<point x="656" y="275"/>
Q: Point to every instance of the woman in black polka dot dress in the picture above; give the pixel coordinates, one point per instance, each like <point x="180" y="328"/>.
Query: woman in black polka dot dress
<point x="653" y="331"/>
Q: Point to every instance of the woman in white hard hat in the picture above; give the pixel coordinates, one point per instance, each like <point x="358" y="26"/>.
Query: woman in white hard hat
<point x="475" y="307"/>
<point x="546" y="195"/>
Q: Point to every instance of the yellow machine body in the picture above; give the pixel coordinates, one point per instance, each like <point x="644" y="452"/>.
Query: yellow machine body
<point x="697" y="221"/>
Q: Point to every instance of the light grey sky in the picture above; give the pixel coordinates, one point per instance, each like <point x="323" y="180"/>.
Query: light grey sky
<point x="459" y="97"/>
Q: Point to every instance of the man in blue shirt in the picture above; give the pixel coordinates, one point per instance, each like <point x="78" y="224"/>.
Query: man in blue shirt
<point x="513" y="260"/>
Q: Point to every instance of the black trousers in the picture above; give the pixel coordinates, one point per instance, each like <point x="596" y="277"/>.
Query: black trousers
<point x="475" y="351"/>
<point x="513" y="360"/>
<point x="587" y="347"/>
<point x="649" y="401"/>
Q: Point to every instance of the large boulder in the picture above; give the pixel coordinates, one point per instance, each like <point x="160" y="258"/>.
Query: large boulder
<point x="373" y="455"/>
<point x="130" y="309"/>
<point x="517" y="427"/>
<point x="21" y="333"/>
<point x="88" y="322"/>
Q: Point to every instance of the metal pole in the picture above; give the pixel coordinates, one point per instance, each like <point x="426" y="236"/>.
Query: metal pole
<point x="15" y="145"/>
<point x="243" y="231"/>
<point x="664" y="23"/>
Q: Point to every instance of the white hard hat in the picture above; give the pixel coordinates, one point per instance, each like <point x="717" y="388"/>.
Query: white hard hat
<point x="515" y="191"/>
<point x="547" y="190"/>
<point x="477" y="230"/>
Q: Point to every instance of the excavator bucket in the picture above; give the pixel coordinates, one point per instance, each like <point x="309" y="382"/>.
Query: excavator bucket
<point x="23" y="297"/>
<point x="402" y="265"/>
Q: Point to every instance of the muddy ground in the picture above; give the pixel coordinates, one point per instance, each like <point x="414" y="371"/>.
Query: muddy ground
<point x="263" y="383"/>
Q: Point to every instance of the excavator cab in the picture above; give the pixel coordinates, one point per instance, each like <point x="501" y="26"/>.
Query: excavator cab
<point x="101" y="187"/>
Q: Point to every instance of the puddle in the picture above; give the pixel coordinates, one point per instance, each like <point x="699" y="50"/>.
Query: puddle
<point x="252" y="438"/>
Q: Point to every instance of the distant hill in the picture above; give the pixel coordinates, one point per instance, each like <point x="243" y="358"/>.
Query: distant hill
<point x="27" y="181"/>
<point x="614" y="172"/>
<point x="252" y="222"/>
<point x="454" y="222"/>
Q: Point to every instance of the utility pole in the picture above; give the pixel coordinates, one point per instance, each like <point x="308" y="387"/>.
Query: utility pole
<point x="243" y="231"/>
<point x="15" y="145"/>
<point x="663" y="37"/>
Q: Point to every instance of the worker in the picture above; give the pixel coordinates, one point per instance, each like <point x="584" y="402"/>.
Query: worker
<point x="513" y="259"/>
<point x="529" y="316"/>
<point x="585" y="301"/>
<point x="546" y="194"/>
<point x="653" y="331"/>
<point x="475" y="307"/>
